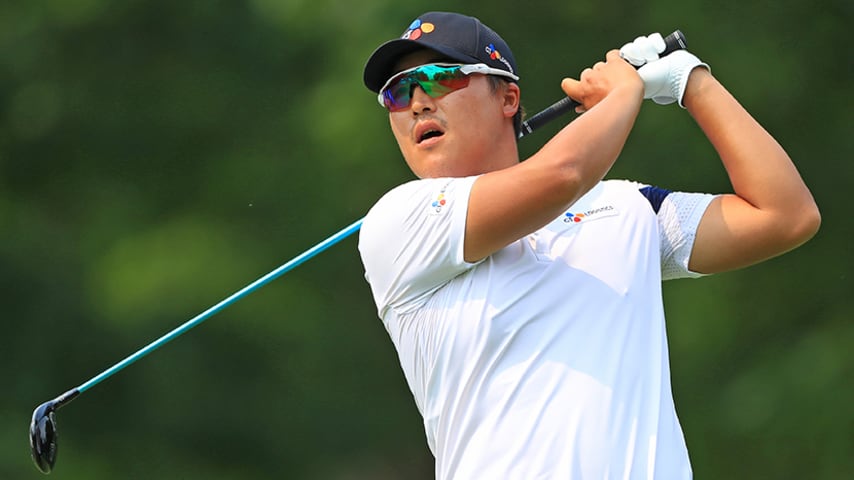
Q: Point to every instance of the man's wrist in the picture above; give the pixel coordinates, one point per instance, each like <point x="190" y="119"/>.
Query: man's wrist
<point x="699" y="81"/>
<point x="630" y="91"/>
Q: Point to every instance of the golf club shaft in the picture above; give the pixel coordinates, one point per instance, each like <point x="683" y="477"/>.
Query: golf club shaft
<point x="290" y="265"/>
<point x="673" y="41"/>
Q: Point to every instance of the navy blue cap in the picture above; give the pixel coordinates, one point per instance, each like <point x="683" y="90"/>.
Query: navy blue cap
<point x="454" y="36"/>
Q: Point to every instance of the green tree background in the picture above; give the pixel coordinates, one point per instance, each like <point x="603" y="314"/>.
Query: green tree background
<point x="156" y="156"/>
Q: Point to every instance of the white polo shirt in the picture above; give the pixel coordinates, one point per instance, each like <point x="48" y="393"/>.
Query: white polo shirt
<point x="547" y="359"/>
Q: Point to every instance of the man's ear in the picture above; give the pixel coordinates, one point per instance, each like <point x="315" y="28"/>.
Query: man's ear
<point x="512" y="99"/>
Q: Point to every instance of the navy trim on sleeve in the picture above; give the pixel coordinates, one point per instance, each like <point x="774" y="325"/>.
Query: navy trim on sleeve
<point x="655" y="195"/>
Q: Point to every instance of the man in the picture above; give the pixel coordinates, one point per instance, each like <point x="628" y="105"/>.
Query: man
<point x="524" y="298"/>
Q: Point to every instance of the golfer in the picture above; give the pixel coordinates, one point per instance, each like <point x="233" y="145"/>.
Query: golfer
<point x="524" y="297"/>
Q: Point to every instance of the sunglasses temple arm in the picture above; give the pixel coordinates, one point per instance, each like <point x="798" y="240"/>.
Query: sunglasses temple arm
<point x="557" y="109"/>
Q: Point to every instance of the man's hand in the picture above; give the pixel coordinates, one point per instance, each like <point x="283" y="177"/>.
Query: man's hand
<point x="665" y="79"/>
<point x="602" y="79"/>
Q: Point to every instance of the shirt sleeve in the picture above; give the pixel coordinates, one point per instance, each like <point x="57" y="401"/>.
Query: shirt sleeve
<point x="679" y="216"/>
<point x="411" y="241"/>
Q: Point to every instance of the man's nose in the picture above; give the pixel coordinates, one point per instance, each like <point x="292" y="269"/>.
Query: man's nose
<point x="421" y="102"/>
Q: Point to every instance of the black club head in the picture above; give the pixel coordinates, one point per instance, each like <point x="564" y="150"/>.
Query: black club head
<point x="43" y="436"/>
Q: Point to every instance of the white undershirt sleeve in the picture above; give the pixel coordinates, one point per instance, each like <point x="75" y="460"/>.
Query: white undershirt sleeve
<point x="679" y="217"/>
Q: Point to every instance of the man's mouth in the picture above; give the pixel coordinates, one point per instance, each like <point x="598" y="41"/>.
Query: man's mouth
<point x="429" y="134"/>
<point x="428" y="130"/>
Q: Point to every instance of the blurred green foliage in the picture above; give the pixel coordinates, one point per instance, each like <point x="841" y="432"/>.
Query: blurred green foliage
<point x="157" y="156"/>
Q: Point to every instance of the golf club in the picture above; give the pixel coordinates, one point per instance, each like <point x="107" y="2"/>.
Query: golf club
<point x="674" y="41"/>
<point x="43" y="433"/>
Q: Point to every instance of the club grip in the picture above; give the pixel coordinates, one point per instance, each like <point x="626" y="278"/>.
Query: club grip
<point x="674" y="41"/>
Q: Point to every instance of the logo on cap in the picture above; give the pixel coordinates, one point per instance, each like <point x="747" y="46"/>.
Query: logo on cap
<point x="494" y="54"/>
<point x="416" y="29"/>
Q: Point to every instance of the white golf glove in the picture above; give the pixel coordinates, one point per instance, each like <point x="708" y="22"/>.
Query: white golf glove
<point x="664" y="79"/>
<point x="643" y="49"/>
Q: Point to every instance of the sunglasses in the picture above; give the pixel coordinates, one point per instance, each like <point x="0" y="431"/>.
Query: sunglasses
<point x="436" y="79"/>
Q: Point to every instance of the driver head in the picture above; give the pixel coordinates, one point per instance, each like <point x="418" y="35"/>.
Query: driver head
<point x="43" y="436"/>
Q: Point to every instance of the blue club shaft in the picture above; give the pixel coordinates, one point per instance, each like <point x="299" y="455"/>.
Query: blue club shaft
<point x="178" y="331"/>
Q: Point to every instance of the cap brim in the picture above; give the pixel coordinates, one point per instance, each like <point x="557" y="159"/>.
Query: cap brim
<point x="380" y="65"/>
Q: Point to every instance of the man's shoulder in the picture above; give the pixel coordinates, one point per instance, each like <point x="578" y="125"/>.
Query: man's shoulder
<point x="430" y="193"/>
<point x="621" y="184"/>
<point x="615" y="189"/>
<point x="395" y="197"/>
<point x="407" y="190"/>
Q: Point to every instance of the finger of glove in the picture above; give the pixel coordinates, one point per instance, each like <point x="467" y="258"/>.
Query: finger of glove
<point x="631" y="54"/>
<point x="657" y="41"/>
<point x="648" y="48"/>
<point x="640" y="51"/>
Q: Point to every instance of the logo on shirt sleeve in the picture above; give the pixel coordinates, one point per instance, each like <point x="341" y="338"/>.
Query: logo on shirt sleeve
<point x="439" y="201"/>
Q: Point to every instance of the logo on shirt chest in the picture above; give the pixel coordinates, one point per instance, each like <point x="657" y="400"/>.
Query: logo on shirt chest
<point x="576" y="217"/>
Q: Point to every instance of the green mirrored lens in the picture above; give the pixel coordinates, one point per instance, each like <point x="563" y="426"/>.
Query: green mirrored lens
<point x="435" y="80"/>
